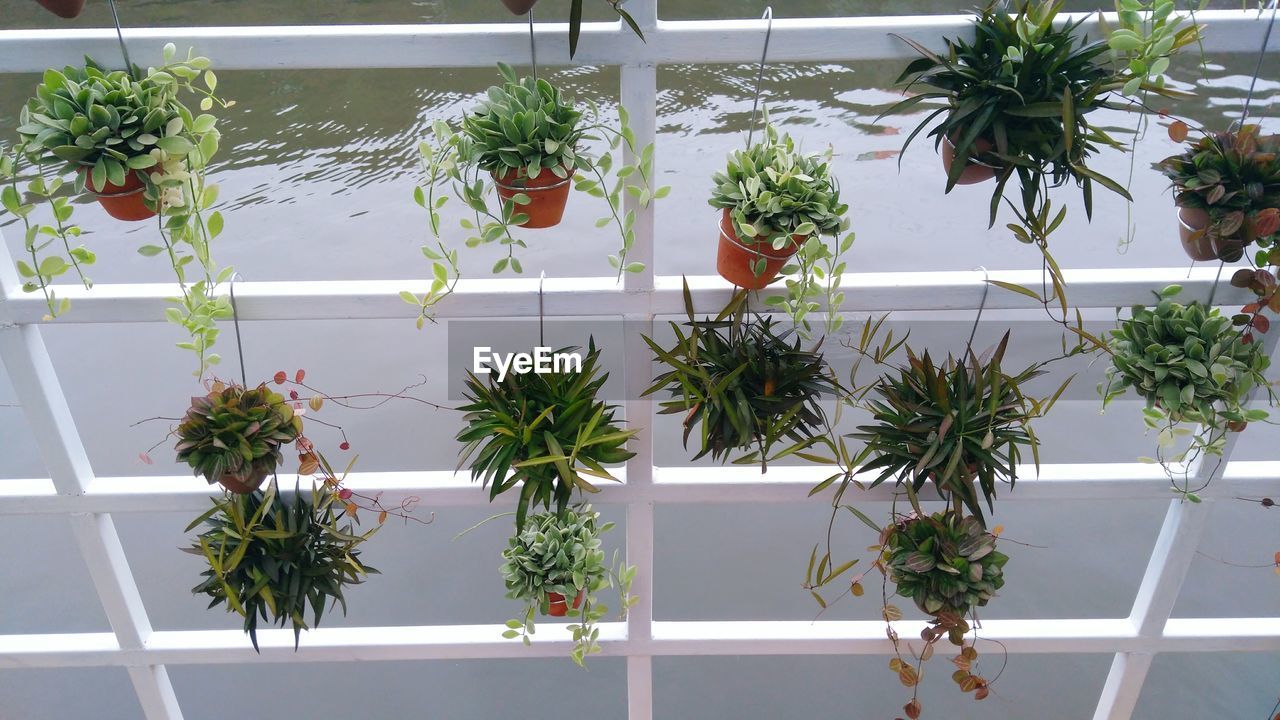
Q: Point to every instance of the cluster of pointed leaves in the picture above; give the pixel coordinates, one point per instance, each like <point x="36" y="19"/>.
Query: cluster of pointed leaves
<point x="1025" y="85"/>
<point x="271" y="558"/>
<point x="961" y="424"/>
<point x="236" y="432"/>
<point x="105" y="121"/>
<point x="1187" y="361"/>
<point x="543" y="431"/>
<point x="523" y="125"/>
<point x="556" y="552"/>
<point x="774" y="191"/>
<point x="944" y="562"/>
<point x="1235" y="177"/>
<point x="742" y="384"/>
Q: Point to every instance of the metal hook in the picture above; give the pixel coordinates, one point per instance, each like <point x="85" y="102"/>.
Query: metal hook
<point x="533" y="47"/>
<point x="986" y="290"/>
<point x="235" y="321"/>
<point x="541" y="338"/>
<point x="1262" y="54"/>
<point x="115" y="15"/>
<point x="764" y="55"/>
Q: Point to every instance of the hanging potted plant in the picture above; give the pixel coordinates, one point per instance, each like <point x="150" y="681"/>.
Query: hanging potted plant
<point x="127" y="138"/>
<point x="1192" y="365"/>
<point x="526" y="142"/>
<point x="66" y="8"/>
<point x="742" y="385"/>
<point x="1227" y="189"/>
<point x="233" y="436"/>
<point x="555" y="565"/>
<point x="1017" y="99"/>
<point x="272" y="558"/>
<point x="773" y="201"/>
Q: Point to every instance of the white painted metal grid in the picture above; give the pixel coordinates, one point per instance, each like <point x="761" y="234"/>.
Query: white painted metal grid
<point x="73" y="489"/>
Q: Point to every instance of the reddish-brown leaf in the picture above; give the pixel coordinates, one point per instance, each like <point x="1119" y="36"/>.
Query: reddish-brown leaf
<point x="298" y="376"/>
<point x="345" y="445"/>
<point x="280" y="377"/>
<point x="1178" y="131"/>
<point x="1262" y="323"/>
<point x="912" y="709"/>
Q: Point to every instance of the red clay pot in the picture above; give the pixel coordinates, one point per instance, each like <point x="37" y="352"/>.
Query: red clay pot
<point x="556" y="605"/>
<point x="974" y="172"/>
<point x="547" y="195"/>
<point x="736" y="256"/>
<point x="67" y="8"/>
<point x="123" y="202"/>
<point x="519" y="7"/>
<point x="245" y="483"/>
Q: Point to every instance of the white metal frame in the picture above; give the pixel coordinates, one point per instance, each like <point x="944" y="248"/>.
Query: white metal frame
<point x="73" y="489"/>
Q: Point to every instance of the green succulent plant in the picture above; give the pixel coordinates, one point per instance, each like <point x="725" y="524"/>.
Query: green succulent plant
<point x="236" y="432"/>
<point x="543" y="431"/>
<point x="962" y="424"/>
<point x="271" y="558"/>
<point x="742" y="385"/>
<point x="524" y="126"/>
<point x="1235" y="178"/>
<point x="944" y="562"/>
<point x="560" y="552"/>
<point x="1191" y="365"/>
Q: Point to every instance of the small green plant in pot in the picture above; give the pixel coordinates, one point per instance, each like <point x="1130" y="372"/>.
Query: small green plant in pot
<point x="1227" y="189"/>
<point x="1192" y="365"/>
<point x="742" y="385"/>
<point x="543" y="432"/>
<point x="962" y="424"/>
<point x="555" y="564"/>
<point x="271" y="558"/>
<point x="233" y="435"/>
<point x="528" y="143"/>
<point x="777" y="205"/>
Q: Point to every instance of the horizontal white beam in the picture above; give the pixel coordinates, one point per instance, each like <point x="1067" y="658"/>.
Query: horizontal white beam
<point x="598" y="297"/>
<point x="672" y="485"/>
<point x="455" y="45"/>
<point x="776" y="637"/>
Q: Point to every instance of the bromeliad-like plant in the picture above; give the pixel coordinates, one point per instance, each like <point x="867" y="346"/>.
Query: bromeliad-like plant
<point x="742" y="385"/>
<point x="1018" y="96"/>
<point x="233" y="435"/>
<point x="556" y="566"/>
<point x="1191" y="365"/>
<point x="112" y="128"/>
<point x="542" y="431"/>
<point x="1234" y="178"/>
<point x="962" y="425"/>
<point x="524" y="131"/>
<point x="776" y="196"/>
<point x="272" y="559"/>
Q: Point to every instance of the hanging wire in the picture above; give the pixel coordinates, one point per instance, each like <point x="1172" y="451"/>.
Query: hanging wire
<point x="1262" y="54"/>
<point x="533" y="47"/>
<point x="541" y="338"/>
<point x="124" y="50"/>
<point x="982" y="304"/>
<point x="235" y="321"/>
<point x="764" y="56"/>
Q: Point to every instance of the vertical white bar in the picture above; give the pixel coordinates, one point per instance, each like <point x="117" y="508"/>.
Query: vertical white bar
<point x="1124" y="685"/>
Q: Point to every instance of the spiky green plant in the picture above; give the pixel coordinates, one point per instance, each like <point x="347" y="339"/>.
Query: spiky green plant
<point x="560" y="552"/>
<point x="235" y="432"/>
<point x="543" y="431"/>
<point x="742" y="385"/>
<point x="944" y="562"/>
<point x="271" y="559"/>
<point x="962" y="424"/>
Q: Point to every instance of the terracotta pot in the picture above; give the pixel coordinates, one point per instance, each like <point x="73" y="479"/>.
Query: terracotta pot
<point x="64" y="8"/>
<point x="123" y="202"/>
<point x="245" y="483"/>
<point x="556" y="605"/>
<point x="519" y="7"/>
<point x="1197" y="243"/>
<point x="974" y="172"/>
<point x="737" y="256"/>
<point x="547" y="195"/>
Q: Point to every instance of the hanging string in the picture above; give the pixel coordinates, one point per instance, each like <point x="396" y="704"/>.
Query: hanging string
<point x="533" y="47"/>
<point x="764" y="56"/>
<point x="124" y="50"/>
<point x="982" y="304"/>
<point x="235" y="321"/>
<point x="541" y="337"/>
<point x="1262" y="54"/>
